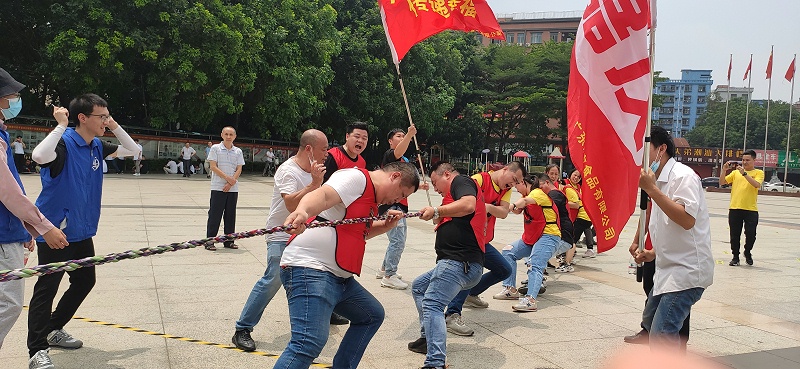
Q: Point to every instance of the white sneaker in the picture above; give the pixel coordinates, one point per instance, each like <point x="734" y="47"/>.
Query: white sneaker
<point x="41" y="360"/>
<point x="508" y="293"/>
<point x="565" y="268"/>
<point x="526" y="303"/>
<point x="382" y="273"/>
<point x="393" y="282"/>
<point x="456" y="325"/>
<point x="61" y="338"/>
<point x="590" y="253"/>
<point x="475" y="302"/>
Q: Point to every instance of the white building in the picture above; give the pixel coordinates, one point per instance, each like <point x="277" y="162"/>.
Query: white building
<point x="721" y="93"/>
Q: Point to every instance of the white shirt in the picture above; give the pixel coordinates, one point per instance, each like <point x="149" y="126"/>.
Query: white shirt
<point x="228" y="161"/>
<point x="270" y="156"/>
<point x="172" y="166"/>
<point x="683" y="257"/>
<point x="316" y="247"/>
<point x="18" y="147"/>
<point x="138" y="155"/>
<point x="187" y="152"/>
<point x="289" y="178"/>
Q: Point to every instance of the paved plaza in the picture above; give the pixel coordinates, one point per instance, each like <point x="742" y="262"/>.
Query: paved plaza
<point x="171" y="310"/>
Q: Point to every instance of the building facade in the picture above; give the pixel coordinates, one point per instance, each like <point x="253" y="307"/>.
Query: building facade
<point x="722" y="93"/>
<point x="684" y="100"/>
<point x="538" y="27"/>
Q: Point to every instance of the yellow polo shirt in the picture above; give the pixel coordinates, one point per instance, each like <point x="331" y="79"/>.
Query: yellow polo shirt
<point x="743" y="195"/>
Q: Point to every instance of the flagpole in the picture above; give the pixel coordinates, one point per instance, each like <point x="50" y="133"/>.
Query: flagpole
<point x="646" y="153"/>
<point x="766" y="126"/>
<point x="789" y="130"/>
<point x="411" y="121"/>
<point x="749" y="97"/>
<point x="727" y="102"/>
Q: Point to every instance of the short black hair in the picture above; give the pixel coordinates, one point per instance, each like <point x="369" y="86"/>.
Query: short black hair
<point x="752" y="154"/>
<point x="394" y="132"/>
<point x="19" y="136"/>
<point x="443" y="166"/>
<point x="357" y="125"/>
<point x="408" y="173"/>
<point x="659" y="136"/>
<point x="531" y="181"/>
<point x="85" y="104"/>
<point x="516" y="165"/>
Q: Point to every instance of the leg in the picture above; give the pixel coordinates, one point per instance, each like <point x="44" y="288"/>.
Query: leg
<point x="231" y="199"/>
<point x="215" y="209"/>
<point x="512" y="253"/>
<point x="673" y="308"/>
<point x="397" y="243"/>
<point x="750" y="224"/>
<point x="366" y="316"/>
<point x="81" y="282"/>
<point x="499" y="270"/>
<point x="264" y="290"/>
<point x="41" y="304"/>
<point x="589" y="237"/>
<point x="312" y="294"/>
<point x="136" y="169"/>
<point x="543" y="250"/>
<point x="735" y="221"/>
<point x="11" y="292"/>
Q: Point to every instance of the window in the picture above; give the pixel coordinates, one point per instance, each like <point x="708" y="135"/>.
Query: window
<point x="687" y="111"/>
<point x="521" y="38"/>
<point x="687" y="99"/>
<point x="685" y="121"/>
<point x="671" y="88"/>
<point x="665" y="121"/>
<point x="733" y="96"/>
<point x="701" y="88"/>
<point x="554" y="36"/>
<point x="702" y="99"/>
<point x="568" y="36"/>
<point x="701" y="111"/>
<point x="510" y="38"/>
<point x="669" y="99"/>
<point x="480" y="38"/>
<point x="687" y="88"/>
<point x="666" y="110"/>
<point x="536" y="37"/>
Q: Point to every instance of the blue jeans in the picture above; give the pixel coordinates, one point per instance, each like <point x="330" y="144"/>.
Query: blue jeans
<point x="545" y="248"/>
<point x="499" y="269"/>
<point x="397" y="242"/>
<point x="519" y="250"/>
<point x="264" y="289"/>
<point x="664" y="314"/>
<point x="313" y="295"/>
<point x="431" y="292"/>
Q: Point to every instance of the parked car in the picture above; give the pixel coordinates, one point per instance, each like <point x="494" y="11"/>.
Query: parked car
<point x="778" y="187"/>
<point x="710" y="182"/>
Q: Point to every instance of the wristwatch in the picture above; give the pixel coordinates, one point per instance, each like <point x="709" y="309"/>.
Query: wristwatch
<point x="435" y="212"/>
<point x="514" y="206"/>
<point x="744" y="174"/>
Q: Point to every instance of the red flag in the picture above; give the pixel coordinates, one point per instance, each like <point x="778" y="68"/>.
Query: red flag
<point x="749" y="66"/>
<point x="609" y="87"/>
<point x="769" y="66"/>
<point x="408" y="22"/>
<point x="730" y="66"/>
<point x="790" y="72"/>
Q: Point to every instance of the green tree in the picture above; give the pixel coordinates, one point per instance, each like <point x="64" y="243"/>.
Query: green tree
<point x="709" y="130"/>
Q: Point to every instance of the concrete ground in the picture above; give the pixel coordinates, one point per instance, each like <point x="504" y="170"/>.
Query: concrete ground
<point x="178" y="310"/>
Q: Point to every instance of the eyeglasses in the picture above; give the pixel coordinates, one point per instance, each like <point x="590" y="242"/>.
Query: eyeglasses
<point x="103" y="117"/>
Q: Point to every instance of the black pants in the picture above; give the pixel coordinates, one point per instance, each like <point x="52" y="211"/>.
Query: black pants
<point x="19" y="161"/>
<point x="187" y="167"/>
<point x="222" y="203"/>
<point x="41" y="317"/>
<point x="737" y="218"/>
<point x="581" y="225"/>
<point x="648" y="272"/>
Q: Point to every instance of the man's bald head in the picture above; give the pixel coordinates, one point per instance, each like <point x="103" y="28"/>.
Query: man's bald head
<point x="312" y="137"/>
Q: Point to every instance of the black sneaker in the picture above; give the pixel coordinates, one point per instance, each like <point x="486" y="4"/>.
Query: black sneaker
<point x="337" y="319"/>
<point x="419" y="346"/>
<point x="748" y="258"/>
<point x="734" y="262"/>
<point x="242" y="340"/>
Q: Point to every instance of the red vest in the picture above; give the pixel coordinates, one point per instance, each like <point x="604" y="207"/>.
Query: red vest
<point x="478" y="221"/>
<point x="534" y="222"/>
<point x="351" y="239"/>
<point x="490" y="196"/>
<point x="343" y="161"/>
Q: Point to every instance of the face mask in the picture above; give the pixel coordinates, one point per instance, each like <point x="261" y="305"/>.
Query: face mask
<point x="311" y="158"/>
<point x="656" y="164"/>
<point x="14" y="107"/>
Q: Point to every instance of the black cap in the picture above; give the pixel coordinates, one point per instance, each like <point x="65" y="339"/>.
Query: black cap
<point x="9" y="85"/>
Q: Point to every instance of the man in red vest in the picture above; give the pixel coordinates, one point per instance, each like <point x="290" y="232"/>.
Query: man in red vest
<point x="349" y="154"/>
<point x="318" y="265"/>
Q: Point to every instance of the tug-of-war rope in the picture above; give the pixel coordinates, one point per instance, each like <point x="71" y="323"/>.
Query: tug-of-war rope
<point x="70" y="265"/>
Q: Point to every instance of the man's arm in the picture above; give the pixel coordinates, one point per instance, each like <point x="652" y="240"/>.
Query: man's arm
<point x="293" y="199"/>
<point x="129" y="147"/>
<point x="459" y="208"/>
<point x="752" y="181"/>
<point x="311" y="205"/>
<point x="45" y="152"/>
<point x="499" y="211"/>
<point x="676" y="212"/>
<point x="402" y="147"/>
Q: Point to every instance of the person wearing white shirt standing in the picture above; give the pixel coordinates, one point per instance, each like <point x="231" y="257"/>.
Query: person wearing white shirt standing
<point x="680" y="230"/>
<point x="19" y="154"/>
<point x="186" y="157"/>
<point x="226" y="163"/>
<point x="206" y="164"/>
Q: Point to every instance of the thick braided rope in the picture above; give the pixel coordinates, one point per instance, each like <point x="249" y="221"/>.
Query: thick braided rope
<point x="70" y="265"/>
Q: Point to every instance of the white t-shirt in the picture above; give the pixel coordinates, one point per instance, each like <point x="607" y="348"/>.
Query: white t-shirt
<point x="270" y="156"/>
<point x="316" y="247"/>
<point x="137" y="155"/>
<point x="683" y="257"/>
<point x="172" y="166"/>
<point x="18" y="147"/>
<point x="187" y="152"/>
<point x="289" y="178"/>
<point x="228" y="161"/>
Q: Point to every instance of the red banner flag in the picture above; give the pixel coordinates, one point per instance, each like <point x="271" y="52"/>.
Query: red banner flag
<point x="769" y="66"/>
<point x="790" y="72"/>
<point x="749" y="66"/>
<point x="408" y="22"/>
<point x="609" y="88"/>
<point x="730" y="67"/>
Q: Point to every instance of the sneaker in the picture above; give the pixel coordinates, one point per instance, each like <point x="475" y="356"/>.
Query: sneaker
<point x="475" y="302"/>
<point x="337" y="319"/>
<point x="526" y="303"/>
<point x="456" y="325"/>
<point x="748" y="259"/>
<point x="394" y="283"/>
<point x="61" y="338"/>
<point x="382" y="273"/>
<point x="734" y="262"/>
<point x="419" y="346"/>
<point x="242" y="340"/>
<point x="565" y="268"/>
<point x="590" y="253"/>
<point x="508" y="293"/>
<point x="41" y="360"/>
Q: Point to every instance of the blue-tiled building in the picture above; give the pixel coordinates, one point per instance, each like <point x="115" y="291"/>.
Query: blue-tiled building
<point x="684" y="100"/>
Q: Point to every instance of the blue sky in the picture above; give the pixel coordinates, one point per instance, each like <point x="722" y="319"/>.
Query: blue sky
<point x="701" y="34"/>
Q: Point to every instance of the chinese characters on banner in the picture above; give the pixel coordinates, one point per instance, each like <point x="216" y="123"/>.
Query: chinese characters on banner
<point x="408" y="22"/>
<point x="771" y="157"/>
<point x="607" y="111"/>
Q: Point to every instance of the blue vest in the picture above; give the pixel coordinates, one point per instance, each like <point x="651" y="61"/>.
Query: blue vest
<point x="71" y="200"/>
<point x="11" y="228"/>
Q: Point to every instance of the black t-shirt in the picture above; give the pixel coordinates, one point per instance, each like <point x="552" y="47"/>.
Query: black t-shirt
<point x="567" y="230"/>
<point x="389" y="157"/>
<point x="57" y="165"/>
<point x="455" y="240"/>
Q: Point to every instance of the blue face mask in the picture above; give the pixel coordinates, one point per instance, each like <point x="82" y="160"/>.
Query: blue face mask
<point x="14" y="107"/>
<point x="656" y="164"/>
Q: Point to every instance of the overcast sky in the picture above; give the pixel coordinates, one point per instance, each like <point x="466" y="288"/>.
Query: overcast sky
<point x="701" y="34"/>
